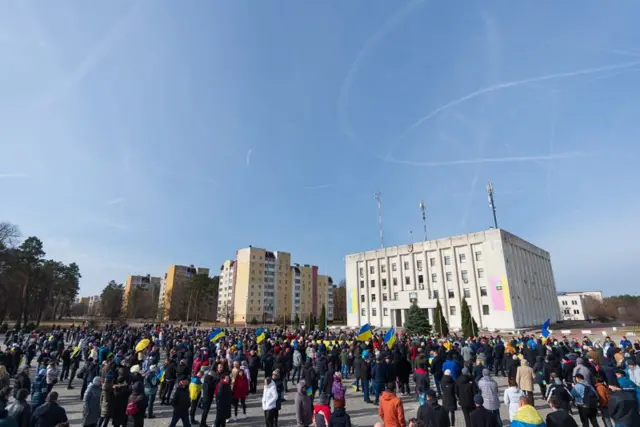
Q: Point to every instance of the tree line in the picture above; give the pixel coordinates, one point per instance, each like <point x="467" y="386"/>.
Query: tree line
<point x="624" y="308"/>
<point x="32" y="287"/>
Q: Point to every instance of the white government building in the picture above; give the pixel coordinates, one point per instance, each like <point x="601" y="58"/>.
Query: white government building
<point x="507" y="281"/>
<point x="572" y="304"/>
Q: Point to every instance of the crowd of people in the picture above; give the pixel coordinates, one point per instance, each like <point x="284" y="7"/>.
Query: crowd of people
<point x="124" y="373"/>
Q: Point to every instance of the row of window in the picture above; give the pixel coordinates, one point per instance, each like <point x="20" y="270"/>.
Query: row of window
<point x="432" y="262"/>
<point x="568" y="311"/>
<point x="450" y="292"/>
<point x="464" y="275"/>
<point x="452" y="311"/>
<point x="573" y="302"/>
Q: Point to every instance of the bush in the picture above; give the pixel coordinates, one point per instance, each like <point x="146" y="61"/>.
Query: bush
<point x="254" y="321"/>
<point x="30" y="327"/>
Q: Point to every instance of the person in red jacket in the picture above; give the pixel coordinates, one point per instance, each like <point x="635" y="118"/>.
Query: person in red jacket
<point x="240" y="391"/>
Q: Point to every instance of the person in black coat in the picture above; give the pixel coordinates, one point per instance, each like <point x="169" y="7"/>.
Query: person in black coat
<point x="558" y="417"/>
<point x="254" y="368"/>
<point x="449" y="401"/>
<point x="358" y="369"/>
<point x="208" y="394"/>
<point x="436" y="368"/>
<point x="223" y="402"/>
<point x="20" y="410"/>
<point x="482" y="417"/>
<point x="441" y="417"/>
<point x="498" y="358"/>
<point x="170" y="375"/>
<point x="121" y="393"/>
<point x="403" y="371"/>
<point x="181" y="403"/>
<point x="466" y="389"/>
<point x="50" y="414"/>
<point x="22" y="381"/>
<point x="138" y="402"/>
<point x="310" y="377"/>
<point x="339" y="416"/>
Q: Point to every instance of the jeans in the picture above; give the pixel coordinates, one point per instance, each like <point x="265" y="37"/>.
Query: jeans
<point x="379" y="388"/>
<point x="151" y="397"/>
<point x="438" y="389"/>
<point x="206" y="407"/>
<point x="295" y="375"/>
<point x="588" y="415"/>
<point x="606" y="418"/>
<point x="183" y="416"/>
<point x="345" y="371"/>
<point x="104" y="421"/>
<point x="365" y="390"/>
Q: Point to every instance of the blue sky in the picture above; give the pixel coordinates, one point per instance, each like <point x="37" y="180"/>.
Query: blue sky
<point x="135" y="135"/>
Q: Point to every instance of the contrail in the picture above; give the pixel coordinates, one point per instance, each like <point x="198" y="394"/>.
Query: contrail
<point x="505" y="85"/>
<point x="370" y="44"/>
<point x="248" y="158"/>
<point x="512" y="159"/>
<point x="115" y="201"/>
<point x="316" y="187"/>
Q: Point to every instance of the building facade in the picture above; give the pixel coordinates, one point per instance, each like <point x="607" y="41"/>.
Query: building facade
<point x="93" y="305"/>
<point x="175" y="298"/>
<point x="263" y="286"/>
<point x="339" y="304"/>
<point x="508" y="282"/>
<point x="147" y="284"/>
<point x="225" y="291"/>
<point x="572" y="304"/>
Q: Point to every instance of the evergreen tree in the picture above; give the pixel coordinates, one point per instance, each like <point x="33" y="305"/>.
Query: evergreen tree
<point x="440" y="322"/>
<point x="311" y="324"/>
<point x="323" y="319"/>
<point x="296" y="322"/>
<point x="417" y="322"/>
<point x="469" y="328"/>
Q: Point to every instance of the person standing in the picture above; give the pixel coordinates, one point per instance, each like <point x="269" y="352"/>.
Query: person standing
<point x="136" y="406"/>
<point x="23" y="381"/>
<point x="511" y="398"/>
<point x="208" y="394"/>
<point x="489" y="391"/>
<point x="527" y="416"/>
<point x="20" y="410"/>
<point x="558" y="417"/>
<point x="304" y="405"/>
<point x="75" y="364"/>
<point x="240" y="392"/>
<point x="39" y="389"/>
<point x="181" y="403"/>
<point x="449" y="401"/>
<point x="195" y="390"/>
<point x="623" y="407"/>
<point x="106" y="401"/>
<point x="524" y="379"/>
<point x="391" y="410"/>
<point x="339" y="416"/>
<point x="269" y="402"/>
<point x="50" y="414"/>
<point x="223" y="402"/>
<point x="481" y="416"/>
<point x="91" y="403"/>
<point x="151" y="388"/>
<point x="586" y="399"/>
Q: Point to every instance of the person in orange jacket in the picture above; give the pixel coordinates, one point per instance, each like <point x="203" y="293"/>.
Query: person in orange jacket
<point x="391" y="410"/>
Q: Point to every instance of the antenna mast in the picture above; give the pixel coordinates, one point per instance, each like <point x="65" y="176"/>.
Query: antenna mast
<point x="492" y="204"/>
<point x="423" y="209"/>
<point x="378" y="197"/>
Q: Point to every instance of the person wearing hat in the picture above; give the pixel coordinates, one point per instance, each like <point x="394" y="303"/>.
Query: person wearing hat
<point x="426" y="413"/>
<point x="441" y="416"/>
<point x="39" y="389"/>
<point x="91" y="403"/>
<point x="181" y="403"/>
<point x="481" y="416"/>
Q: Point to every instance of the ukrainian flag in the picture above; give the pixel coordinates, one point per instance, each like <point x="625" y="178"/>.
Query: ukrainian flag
<point x="260" y="335"/>
<point x="75" y="351"/>
<point x="216" y="334"/>
<point x="160" y="375"/>
<point x="390" y="337"/>
<point x="527" y="416"/>
<point x="365" y="333"/>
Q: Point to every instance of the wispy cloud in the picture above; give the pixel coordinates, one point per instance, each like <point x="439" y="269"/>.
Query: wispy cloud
<point x="512" y="159"/>
<point x="316" y="187"/>
<point x="552" y="140"/>
<point x="13" y="175"/>
<point x="96" y="55"/>
<point x="115" y="226"/>
<point x="498" y="87"/>
<point x="369" y="46"/>
<point x="115" y="201"/>
<point x="248" y="158"/>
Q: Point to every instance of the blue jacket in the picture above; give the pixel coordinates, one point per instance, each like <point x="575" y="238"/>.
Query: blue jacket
<point x="627" y="385"/>
<point x="453" y="366"/>
<point x="38" y="390"/>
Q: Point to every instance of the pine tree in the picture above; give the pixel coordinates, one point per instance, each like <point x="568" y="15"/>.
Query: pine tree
<point x="441" y="325"/>
<point x="296" y="322"/>
<point x="323" y="319"/>
<point x="417" y="322"/>
<point x="311" y="323"/>
<point x="467" y="320"/>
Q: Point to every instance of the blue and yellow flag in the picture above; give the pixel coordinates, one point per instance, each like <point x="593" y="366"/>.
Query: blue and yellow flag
<point x="260" y="335"/>
<point x="365" y="332"/>
<point x="75" y="351"/>
<point x="390" y="337"/>
<point x="216" y="334"/>
<point x="545" y="328"/>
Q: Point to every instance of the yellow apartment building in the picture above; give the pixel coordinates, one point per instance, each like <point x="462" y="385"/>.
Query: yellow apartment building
<point x="174" y="299"/>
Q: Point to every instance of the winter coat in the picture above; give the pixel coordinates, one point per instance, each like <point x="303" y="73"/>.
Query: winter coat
<point x="448" y="386"/>
<point x="560" y="418"/>
<point x="623" y="408"/>
<point x="208" y="388"/>
<point x="489" y="389"/>
<point x="48" y="415"/>
<point x="38" y="390"/>
<point x="421" y="379"/>
<point x="140" y="403"/>
<point x="582" y="369"/>
<point x="441" y="416"/>
<point x="20" y="410"/>
<point x="223" y="401"/>
<point x="195" y="388"/>
<point x="91" y="405"/>
<point x="269" y="396"/>
<point x="524" y="377"/>
<point x="340" y="418"/>
<point x="22" y="382"/>
<point x="481" y="417"/>
<point x="181" y="401"/>
<point x="52" y="374"/>
<point x="121" y="393"/>
<point x="337" y="391"/>
<point x="304" y="406"/>
<point x="403" y="369"/>
<point x="466" y="389"/>
<point x="240" y="388"/>
<point x="107" y="401"/>
<point x="511" y="398"/>
<point x="391" y="410"/>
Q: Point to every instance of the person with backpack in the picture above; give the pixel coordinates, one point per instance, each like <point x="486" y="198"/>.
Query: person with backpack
<point x="604" y="395"/>
<point x="136" y="406"/>
<point x="322" y="412"/>
<point x="586" y="400"/>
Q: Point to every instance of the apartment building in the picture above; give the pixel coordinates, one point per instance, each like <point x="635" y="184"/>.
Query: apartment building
<point x="572" y="304"/>
<point x="264" y="286"/>
<point x="508" y="282"/>
<point x="175" y="299"/>
<point x="148" y="284"/>
<point x="93" y="305"/>
<point x="225" y="291"/>
<point x="262" y="282"/>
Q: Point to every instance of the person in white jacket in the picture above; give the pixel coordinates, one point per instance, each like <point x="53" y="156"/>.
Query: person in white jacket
<point x="269" y="402"/>
<point x="511" y="398"/>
